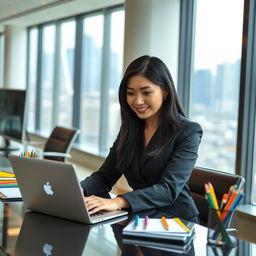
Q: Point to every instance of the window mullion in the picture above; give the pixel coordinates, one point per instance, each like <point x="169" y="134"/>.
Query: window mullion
<point x="187" y="25"/>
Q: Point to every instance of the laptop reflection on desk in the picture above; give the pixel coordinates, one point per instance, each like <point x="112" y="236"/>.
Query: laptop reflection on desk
<point x="46" y="235"/>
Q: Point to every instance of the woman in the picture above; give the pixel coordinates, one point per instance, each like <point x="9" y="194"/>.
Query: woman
<point x="156" y="147"/>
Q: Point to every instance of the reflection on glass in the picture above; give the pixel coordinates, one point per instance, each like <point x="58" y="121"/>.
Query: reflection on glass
<point x="32" y="76"/>
<point x="115" y="73"/>
<point x="66" y="70"/>
<point x="91" y="80"/>
<point x="47" y="77"/>
<point x="108" y="246"/>
<point x="215" y="81"/>
<point x="1" y="59"/>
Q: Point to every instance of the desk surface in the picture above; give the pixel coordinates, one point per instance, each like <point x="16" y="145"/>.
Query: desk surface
<point x="37" y="234"/>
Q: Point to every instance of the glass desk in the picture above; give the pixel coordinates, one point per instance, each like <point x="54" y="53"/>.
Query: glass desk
<point x="36" y="234"/>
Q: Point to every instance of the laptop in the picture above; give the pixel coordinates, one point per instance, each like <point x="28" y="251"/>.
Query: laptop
<point x="52" y="188"/>
<point x="54" y="236"/>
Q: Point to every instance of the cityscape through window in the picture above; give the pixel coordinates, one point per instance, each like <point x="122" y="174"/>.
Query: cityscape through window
<point x="216" y="80"/>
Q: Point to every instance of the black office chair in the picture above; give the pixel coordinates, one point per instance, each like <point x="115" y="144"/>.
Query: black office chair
<point x="59" y="144"/>
<point x="221" y="182"/>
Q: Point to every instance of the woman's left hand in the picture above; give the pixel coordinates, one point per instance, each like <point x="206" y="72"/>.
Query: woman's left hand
<point x="95" y="204"/>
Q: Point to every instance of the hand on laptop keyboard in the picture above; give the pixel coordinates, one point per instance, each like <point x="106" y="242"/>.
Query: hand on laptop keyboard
<point x="96" y="204"/>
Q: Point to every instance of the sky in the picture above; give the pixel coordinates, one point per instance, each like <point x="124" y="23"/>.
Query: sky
<point x="218" y="32"/>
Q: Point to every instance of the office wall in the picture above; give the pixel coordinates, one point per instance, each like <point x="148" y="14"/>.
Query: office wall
<point x="14" y="75"/>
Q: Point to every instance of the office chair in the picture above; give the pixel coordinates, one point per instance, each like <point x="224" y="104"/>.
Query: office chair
<point x="59" y="144"/>
<point x="221" y="182"/>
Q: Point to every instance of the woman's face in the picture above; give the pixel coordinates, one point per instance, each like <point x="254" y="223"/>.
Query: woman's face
<point x="144" y="97"/>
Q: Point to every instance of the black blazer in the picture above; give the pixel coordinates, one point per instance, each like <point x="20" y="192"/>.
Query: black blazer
<point x="159" y="181"/>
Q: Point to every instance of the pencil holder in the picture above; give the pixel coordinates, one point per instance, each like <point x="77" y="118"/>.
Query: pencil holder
<point x="222" y="228"/>
<point x="213" y="250"/>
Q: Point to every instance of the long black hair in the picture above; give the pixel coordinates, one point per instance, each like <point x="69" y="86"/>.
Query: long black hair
<point x="130" y="139"/>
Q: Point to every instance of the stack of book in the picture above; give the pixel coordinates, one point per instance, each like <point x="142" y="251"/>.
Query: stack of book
<point x="171" y="235"/>
<point x="9" y="190"/>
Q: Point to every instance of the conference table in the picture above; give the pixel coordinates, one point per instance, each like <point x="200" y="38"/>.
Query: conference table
<point x="23" y="232"/>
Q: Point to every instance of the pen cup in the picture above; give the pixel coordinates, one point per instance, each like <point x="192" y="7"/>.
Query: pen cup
<point x="222" y="228"/>
<point x="213" y="250"/>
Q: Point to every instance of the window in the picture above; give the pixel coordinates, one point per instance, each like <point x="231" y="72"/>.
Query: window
<point x="216" y="79"/>
<point x="115" y="75"/>
<point x="64" y="83"/>
<point x="87" y="99"/>
<point x="91" y="80"/>
<point x="47" y="71"/>
<point x="1" y="59"/>
<point x="253" y="249"/>
<point x="32" y="76"/>
<point x="101" y="74"/>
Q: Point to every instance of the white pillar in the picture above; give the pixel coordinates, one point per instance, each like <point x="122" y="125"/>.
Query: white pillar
<point x="15" y="54"/>
<point x="152" y="28"/>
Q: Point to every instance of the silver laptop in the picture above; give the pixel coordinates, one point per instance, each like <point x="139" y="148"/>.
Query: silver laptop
<point x="52" y="188"/>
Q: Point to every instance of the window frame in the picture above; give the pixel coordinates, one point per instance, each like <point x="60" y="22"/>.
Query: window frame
<point x="185" y="60"/>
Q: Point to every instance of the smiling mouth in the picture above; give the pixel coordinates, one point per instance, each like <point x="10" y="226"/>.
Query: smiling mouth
<point x="142" y="110"/>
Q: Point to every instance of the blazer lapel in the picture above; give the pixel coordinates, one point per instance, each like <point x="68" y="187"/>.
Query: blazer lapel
<point x="144" y="156"/>
<point x="143" y="159"/>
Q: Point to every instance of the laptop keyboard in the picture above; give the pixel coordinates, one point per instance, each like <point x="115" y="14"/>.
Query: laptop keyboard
<point x="97" y="214"/>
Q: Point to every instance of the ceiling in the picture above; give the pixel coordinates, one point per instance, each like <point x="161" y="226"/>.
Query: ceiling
<point x="15" y="8"/>
<point x="30" y="12"/>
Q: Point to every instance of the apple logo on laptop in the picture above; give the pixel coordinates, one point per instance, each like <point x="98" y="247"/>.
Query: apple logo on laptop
<point x="47" y="249"/>
<point x="48" y="188"/>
